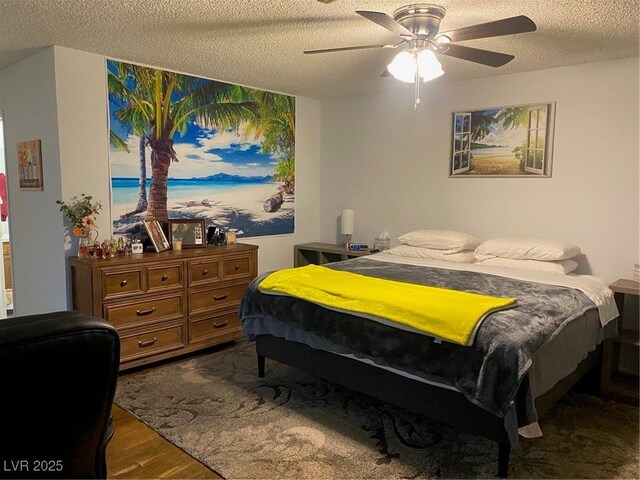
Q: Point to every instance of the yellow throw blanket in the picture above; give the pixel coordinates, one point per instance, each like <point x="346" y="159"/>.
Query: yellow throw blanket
<point x="447" y="314"/>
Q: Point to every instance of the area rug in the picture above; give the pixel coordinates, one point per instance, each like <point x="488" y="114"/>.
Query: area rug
<point x="293" y="425"/>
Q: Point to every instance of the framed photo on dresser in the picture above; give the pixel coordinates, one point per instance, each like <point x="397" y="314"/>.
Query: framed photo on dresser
<point x="156" y="235"/>
<point x="190" y="231"/>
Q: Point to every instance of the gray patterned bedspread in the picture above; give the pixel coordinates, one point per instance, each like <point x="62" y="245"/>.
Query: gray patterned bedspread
<point x="488" y="373"/>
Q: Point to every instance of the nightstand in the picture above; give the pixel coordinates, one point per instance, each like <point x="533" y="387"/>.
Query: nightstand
<point x="321" y="253"/>
<point x="620" y="361"/>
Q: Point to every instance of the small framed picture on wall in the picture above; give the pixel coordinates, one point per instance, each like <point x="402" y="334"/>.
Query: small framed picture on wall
<point x="30" y="165"/>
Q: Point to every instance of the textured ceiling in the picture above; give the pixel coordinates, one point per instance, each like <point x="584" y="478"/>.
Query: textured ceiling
<point x="260" y="42"/>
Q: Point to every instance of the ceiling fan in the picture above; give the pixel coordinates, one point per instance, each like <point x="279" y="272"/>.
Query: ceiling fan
<point x="418" y="27"/>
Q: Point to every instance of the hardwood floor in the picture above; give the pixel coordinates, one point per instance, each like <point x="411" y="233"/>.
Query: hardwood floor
<point x="136" y="451"/>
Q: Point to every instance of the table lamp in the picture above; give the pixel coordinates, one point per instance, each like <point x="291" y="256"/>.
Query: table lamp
<point x="347" y="223"/>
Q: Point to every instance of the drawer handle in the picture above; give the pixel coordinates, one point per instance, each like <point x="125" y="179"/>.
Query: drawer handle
<point x="142" y="313"/>
<point x="205" y="271"/>
<point x="147" y="343"/>
<point x="237" y="267"/>
<point x="123" y="283"/>
<point x="164" y="278"/>
<point x="220" y="297"/>
<point x="220" y="325"/>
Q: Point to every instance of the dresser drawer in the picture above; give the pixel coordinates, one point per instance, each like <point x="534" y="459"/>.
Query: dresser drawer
<point x="156" y="341"/>
<point x="203" y="272"/>
<point x="121" y="283"/>
<point x="215" y="299"/>
<point x="143" y="312"/>
<point x="236" y="267"/>
<point x="227" y="323"/>
<point x="165" y="277"/>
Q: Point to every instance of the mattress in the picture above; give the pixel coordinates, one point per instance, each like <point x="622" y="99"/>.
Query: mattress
<point x="576" y="328"/>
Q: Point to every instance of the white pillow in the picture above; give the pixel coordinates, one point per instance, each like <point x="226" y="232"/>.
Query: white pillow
<point x="526" y="249"/>
<point x="561" y="266"/>
<point x="466" y="256"/>
<point x="440" y="240"/>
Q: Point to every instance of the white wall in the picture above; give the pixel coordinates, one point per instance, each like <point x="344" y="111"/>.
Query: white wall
<point x="390" y="163"/>
<point x="81" y="83"/>
<point x="28" y="101"/>
<point x="76" y="161"/>
<point x="84" y="148"/>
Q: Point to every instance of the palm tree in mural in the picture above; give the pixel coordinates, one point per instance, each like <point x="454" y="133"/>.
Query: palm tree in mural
<point x="513" y="117"/>
<point x="275" y="123"/>
<point x="132" y="119"/>
<point x="119" y="144"/>
<point x="480" y="122"/>
<point x="164" y="103"/>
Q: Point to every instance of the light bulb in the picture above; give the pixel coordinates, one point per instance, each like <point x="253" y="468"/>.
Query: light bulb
<point x="428" y="65"/>
<point x="403" y="67"/>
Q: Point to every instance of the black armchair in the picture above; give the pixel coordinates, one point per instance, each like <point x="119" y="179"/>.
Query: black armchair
<point x="58" y="375"/>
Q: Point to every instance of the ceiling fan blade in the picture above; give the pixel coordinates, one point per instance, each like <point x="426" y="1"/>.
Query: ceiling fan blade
<point x="507" y="26"/>
<point x="359" y="47"/>
<point x="485" y="57"/>
<point x="387" y="22"/>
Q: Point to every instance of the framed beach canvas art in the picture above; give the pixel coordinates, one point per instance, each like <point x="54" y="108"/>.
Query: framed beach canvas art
<point x="186" y="147"/>
<point x="503" y="142"/>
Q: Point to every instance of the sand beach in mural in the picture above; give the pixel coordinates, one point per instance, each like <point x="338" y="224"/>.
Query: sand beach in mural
<point x="494" y="164"/>
<point x="236" y="208"/>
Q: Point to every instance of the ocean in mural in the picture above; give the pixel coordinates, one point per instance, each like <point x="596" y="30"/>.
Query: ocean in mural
<point x="189" y="147"/>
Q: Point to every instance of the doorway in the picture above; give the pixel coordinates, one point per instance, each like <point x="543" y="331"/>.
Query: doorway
<point x="6" y="285"/>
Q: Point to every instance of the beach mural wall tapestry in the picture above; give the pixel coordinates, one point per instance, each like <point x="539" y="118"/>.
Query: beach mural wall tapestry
<point x="503" y="142"/>
<point x="188" y="147"/>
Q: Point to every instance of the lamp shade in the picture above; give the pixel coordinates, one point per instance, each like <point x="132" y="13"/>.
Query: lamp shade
<point x="403" y="67"/>
<point x="347" y="222"/>
<point x="428" y="65"/>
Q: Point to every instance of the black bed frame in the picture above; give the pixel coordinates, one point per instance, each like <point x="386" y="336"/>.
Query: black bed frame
<point x="447" y="406"/>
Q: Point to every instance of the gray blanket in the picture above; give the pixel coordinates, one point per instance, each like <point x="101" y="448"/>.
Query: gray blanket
<point x="488" y="373"/>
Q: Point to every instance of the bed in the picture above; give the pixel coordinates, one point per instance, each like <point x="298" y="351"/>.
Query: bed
<point x="522" y="360"/>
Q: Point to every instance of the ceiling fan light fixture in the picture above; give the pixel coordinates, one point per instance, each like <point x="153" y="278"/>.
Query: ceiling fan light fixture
<point x="418" y="26"/>
<point x="403" y="67"/>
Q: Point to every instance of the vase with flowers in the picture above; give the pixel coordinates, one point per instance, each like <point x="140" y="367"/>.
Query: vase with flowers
<point x="81" y="213"/>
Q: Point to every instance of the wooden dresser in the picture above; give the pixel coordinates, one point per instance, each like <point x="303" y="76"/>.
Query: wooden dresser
<point x="169" y="303"/>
